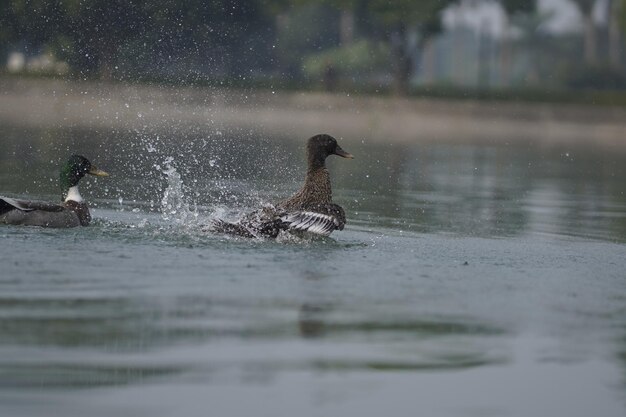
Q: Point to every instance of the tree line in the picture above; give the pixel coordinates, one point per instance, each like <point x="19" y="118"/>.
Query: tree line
<point x="228" y="38"/>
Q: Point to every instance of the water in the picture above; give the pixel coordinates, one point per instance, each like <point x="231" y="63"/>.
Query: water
<point x="471" y="280"/>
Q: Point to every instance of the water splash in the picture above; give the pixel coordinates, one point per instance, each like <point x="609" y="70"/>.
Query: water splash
<point x="174" y="206"/>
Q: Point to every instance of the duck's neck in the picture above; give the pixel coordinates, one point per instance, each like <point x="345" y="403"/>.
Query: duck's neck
<point x="316" y="188"/>
<point x="315" y="161"/>
<point x="72" y="194"/>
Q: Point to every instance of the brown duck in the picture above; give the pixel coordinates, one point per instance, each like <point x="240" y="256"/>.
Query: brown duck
<point x="72" y="212"/>
<point x="309" y="210"/>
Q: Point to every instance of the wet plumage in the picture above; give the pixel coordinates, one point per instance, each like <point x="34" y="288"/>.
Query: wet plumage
<point x="309" y="210"/>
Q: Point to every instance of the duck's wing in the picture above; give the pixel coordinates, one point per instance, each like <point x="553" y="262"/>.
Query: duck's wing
<point x="264" y="222"/>
<point x="227" y="228"/>
<point x="36" y="213"/>
<point x="321" y="219"/>
<point x="8" y="204"/>
<point x="309" y="221"/>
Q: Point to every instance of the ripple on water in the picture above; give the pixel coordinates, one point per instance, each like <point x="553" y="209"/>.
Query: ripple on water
<point x="447" y="281"/>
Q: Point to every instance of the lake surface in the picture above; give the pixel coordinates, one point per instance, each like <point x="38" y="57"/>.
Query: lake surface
<point x="472" y="280"/>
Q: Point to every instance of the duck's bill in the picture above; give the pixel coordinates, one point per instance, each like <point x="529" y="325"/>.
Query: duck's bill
<point x="98" y="172"/>
<point x="343" y="153"/>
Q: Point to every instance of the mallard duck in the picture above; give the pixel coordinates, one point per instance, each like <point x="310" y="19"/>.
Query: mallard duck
<point x="309" y="210"/>
<point x="72" y="212"/>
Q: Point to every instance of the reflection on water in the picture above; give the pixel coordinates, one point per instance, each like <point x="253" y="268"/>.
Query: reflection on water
<point x="471" y="273"/>
<point x="133" y="332"/>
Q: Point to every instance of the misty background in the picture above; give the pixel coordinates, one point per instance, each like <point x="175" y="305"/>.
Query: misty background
<point x="455" y="47"/>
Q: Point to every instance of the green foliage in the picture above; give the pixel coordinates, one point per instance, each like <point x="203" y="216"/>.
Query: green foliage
<point x="90" y="34"/>
<point x="621" y="10"/>
<point x="303" y="31"/>
<point x="425" y="15"/>
<point x="117" y="37"/>
<point x="359" y="58"/>
<point x="514" y="7"/>
<point x="597" y="78"/>
<point x="585" y="6"/>
<point x="29" y="21"/>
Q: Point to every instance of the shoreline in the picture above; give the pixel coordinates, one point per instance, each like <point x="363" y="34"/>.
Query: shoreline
<point x="88" y="104"/>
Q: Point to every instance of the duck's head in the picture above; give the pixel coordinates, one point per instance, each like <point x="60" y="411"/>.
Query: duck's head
<point x="319" y="147"/>
<point x="74" y="169"/>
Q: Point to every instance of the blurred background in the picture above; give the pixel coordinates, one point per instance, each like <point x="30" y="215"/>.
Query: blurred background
<point x="482" y="269"/>
<point x="543" y="49"/>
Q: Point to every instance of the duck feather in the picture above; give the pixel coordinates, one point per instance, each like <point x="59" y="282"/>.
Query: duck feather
<point x="308" y="210"/>
<point x="8" y="203"/>
<point x="36" y="213"/>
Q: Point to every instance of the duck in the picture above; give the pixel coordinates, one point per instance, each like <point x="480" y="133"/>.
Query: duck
<point x="71" y="212"/>
<point x="309" y="210"/>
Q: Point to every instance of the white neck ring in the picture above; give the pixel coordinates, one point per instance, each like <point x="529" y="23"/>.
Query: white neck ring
<point x="73" y="195"/>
